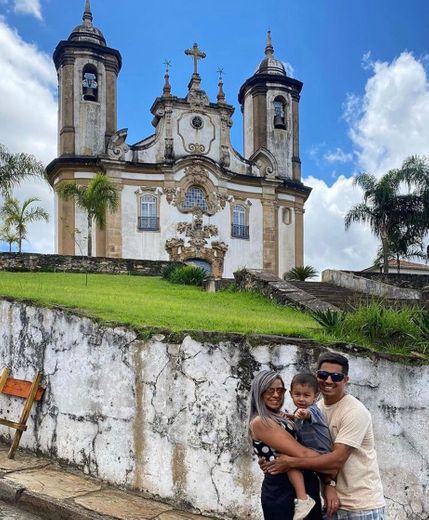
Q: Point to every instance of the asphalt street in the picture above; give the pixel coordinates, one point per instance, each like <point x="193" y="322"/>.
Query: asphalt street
<point x="8" y="512"/>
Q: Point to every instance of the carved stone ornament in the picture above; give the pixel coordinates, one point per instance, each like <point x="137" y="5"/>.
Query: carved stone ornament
<point x="116" y="147"/>
<point x="170" y="195"/>
<point x="222" y="199"/>
<point x="197" y="98"/>
<point x="169" y="150"/>
<point x="225" y="159"/>
<point x="196" y="247"/>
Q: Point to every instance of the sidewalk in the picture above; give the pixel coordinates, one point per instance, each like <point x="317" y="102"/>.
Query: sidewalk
<point x="41" y="486"/>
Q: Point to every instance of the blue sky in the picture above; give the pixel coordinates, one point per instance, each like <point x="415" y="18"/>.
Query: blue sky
<point x="364" y="105"/>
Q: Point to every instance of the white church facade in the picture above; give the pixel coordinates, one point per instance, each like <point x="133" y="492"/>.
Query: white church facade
<point x="185" y="193"/>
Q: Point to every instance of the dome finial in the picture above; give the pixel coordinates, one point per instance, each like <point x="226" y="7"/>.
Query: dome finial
<point x="87" y="15"/>
<point x="269" y="49"/>
<point x="166" y="91"/>
<point x="221" y="93"/>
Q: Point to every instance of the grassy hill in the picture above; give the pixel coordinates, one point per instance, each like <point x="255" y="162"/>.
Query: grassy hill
<point x="149" y="301"/>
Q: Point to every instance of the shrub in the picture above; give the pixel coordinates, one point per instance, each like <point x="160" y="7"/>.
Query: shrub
<point x="382" y="327"/>
<point x="329" y="320"/>
<point x="188" y="275"/>
<point x="168" y="269"/>
<point x="300" y="273"/>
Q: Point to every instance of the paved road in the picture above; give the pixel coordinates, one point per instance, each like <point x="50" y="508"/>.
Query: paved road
<point x="8" y="512"/>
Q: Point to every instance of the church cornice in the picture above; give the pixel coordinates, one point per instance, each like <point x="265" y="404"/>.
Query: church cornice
<point x="175" y="101"/>
<point x="65" y="49"/>
<point x="266" y="81"/>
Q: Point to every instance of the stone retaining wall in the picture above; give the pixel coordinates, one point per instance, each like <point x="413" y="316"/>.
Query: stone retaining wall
<point x="407" y="281"/>
<point x="167" y="415"/>
<point x="79" y="264"/>
<point x="367" y="286"/>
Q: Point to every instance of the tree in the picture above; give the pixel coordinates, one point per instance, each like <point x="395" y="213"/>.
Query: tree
<point x="383" y="208"/>
<point x="18" y="216"/>
<point x="9" y="235"/>
<point x="300" y="273"/>
<point x="415" y="173"/>
<point x="100" y="195"/>
<point x="15" y="166"/>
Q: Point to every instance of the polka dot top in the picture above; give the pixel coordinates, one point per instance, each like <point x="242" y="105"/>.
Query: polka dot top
<point x="263" y="450"/>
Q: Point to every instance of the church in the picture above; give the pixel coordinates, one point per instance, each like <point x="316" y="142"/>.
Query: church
<point x="185" y="193"/>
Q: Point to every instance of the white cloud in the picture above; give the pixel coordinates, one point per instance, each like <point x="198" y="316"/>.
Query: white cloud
<point x="28" y="118"/>
<point x="31" y="7"/>
<point x="395" y="115"/>
<point x="338" y="155"/>
<point x="389" y="122"/>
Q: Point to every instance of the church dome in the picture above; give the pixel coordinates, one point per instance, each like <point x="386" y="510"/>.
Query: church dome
<point x="269" y="65"/>
<point x="86" y="32"/>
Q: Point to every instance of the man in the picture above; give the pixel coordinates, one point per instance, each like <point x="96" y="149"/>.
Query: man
<point x="358" y="482"/>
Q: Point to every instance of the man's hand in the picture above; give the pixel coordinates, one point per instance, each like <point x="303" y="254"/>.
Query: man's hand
<point x="281" y="464"/>
<point x="332" y="502"/>
<point x="303" y="414"/>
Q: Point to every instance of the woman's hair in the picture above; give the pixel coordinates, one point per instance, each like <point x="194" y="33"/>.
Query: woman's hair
<point x="262" y="381"/>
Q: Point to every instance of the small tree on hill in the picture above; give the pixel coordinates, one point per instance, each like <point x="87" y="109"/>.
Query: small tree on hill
<point x="100" y="195"/>
<point x="17" y="216"/>
<point x="300" y="273"/>
<point x="8" y="235"/>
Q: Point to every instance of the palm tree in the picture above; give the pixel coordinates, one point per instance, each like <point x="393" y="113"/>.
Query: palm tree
<point x="300" y="273"/>
<point x="15" y="166"/>
<point x="100" y="195"/>
<point x="9" y="235"/>
<point x="415" y="173"/>
<point x="19" y="216"/>
<point x="382" y="208"/>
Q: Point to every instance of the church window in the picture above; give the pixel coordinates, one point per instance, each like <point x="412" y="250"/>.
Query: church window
<point x="148" y="219"/>
<point x="195" y="197"/>
<point x="197" y="122"/>
<point x="239" y="227"/>
<point x="89" y="83"/>
<point x="279" y="113"/>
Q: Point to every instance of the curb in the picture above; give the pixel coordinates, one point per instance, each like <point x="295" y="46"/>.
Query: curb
<point x="46" y="507"/>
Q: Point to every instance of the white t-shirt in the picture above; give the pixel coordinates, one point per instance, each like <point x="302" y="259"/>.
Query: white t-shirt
<point x="359" y="485"/>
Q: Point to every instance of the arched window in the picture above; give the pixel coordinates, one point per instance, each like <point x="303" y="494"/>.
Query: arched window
<point x="195" y="197"/>
<point x="89" y="83"/>
<point x="148" y="219"/>
<point x="239" y="228"/>
<point x="279" y="113"/>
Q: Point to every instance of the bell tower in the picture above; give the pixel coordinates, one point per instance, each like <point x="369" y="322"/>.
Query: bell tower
<point x="270" y="105"/>
<point x="87" y="81"/>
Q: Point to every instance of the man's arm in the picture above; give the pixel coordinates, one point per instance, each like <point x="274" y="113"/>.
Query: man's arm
<point x="325" y="463"/>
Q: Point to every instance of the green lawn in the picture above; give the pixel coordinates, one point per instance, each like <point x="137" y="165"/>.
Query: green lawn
<point x="150" y="301"/>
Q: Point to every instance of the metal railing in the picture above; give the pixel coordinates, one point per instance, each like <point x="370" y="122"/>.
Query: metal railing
<point x="148" y="223"/>
<point x="238" y="231"/>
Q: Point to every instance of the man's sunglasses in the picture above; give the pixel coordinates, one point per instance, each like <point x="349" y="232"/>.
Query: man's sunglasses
<point x="336" y="377"/>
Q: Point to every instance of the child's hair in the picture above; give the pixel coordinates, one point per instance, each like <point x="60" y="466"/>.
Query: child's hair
<point x="305" y="379"/>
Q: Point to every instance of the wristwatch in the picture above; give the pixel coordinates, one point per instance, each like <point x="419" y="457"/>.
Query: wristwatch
<point x="331" y="483"/>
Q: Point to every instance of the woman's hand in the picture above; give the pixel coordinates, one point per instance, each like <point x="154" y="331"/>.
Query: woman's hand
<point x="332" y="502"/>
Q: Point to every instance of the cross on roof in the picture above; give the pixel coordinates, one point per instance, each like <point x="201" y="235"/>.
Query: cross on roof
<point x="196" y="55"/>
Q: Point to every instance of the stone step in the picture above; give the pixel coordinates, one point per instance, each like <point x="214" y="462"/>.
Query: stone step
<point x="339" y="296"/>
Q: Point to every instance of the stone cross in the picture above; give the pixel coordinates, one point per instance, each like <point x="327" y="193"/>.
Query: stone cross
<point x="196" y="55"/>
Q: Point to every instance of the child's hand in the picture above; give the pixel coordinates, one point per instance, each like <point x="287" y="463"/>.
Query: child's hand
<point x="287" y="415"/>
<point x="303" y="414"/>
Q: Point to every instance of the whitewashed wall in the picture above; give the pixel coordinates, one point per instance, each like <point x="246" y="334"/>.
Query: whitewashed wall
<point x="169" y="418"/>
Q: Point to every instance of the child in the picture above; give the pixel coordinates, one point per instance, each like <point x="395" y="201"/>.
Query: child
<point x="310" y="423"/>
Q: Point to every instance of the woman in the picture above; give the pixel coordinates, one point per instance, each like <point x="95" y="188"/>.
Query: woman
<point x="271" y="430"/>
